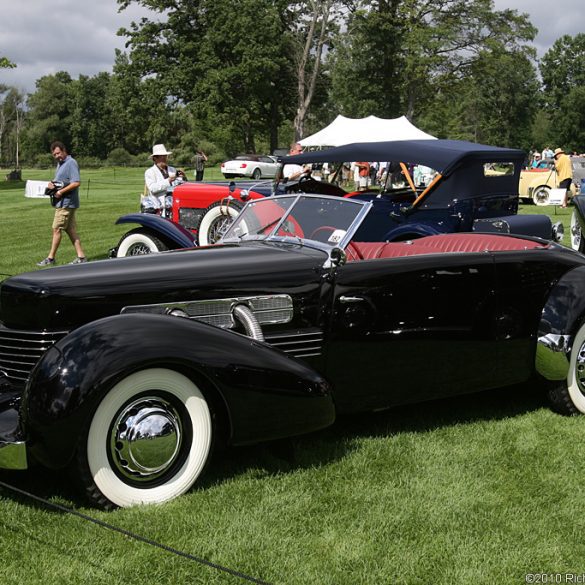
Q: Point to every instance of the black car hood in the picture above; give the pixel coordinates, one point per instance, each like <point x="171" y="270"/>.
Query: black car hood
<point x="68" y="296"/>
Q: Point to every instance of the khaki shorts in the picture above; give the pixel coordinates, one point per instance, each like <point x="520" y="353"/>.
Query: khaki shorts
<point x="64" y="219"/>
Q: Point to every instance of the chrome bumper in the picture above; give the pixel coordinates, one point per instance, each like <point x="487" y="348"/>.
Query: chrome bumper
<point x="13" y="455"/>
<point x="552" y="356"/>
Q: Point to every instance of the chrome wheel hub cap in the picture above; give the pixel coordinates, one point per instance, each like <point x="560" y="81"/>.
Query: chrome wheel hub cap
<point x="219" y="228"/>
<point x="146" y="438"/>
<point x="138" y="250"/>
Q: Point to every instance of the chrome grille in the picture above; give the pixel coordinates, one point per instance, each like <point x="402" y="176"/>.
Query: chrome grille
<point x="269" y="309"/>
<point x="21" y="350"/>
<point x="300" y="344"/>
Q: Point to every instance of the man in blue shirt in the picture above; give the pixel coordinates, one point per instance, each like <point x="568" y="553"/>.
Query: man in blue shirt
<point x="67" y="202"/>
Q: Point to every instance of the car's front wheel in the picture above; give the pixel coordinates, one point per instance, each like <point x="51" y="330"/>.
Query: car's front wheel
<point x="568" y="396"/>
<point x="541" y="196"/>
<point x="216" y="220"/>
<point x="139" y="242"/>
<point x="148" y="440"/>
<point x="577" y="241"/>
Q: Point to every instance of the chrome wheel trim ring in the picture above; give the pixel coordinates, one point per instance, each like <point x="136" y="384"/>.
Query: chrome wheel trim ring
<point x="146" y="438"/>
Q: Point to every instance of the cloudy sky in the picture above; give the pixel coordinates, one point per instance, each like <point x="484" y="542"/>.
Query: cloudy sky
<point x="79" y="36"/>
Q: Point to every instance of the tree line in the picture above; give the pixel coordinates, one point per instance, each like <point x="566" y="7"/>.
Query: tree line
<point x="234" y="76"/>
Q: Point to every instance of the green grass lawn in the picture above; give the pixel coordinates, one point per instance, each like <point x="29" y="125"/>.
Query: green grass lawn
<point x="475" y="490"/>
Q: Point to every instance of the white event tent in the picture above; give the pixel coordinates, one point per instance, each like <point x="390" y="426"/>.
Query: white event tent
<point x="371" y="129"/>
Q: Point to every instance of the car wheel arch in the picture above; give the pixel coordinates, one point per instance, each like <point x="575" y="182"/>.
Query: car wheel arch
<point x="60" y="400"/>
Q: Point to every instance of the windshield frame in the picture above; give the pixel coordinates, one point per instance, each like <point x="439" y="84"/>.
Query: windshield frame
<point x="363" y="208"/>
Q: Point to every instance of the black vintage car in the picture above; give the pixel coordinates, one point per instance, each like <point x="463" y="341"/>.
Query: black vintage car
<point x="131" y="370"/>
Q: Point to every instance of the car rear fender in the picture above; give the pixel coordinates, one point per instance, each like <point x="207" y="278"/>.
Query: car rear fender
<point x="562" y="315"/>
<point x="263" y="393"/>
<point x="168" y="230"/>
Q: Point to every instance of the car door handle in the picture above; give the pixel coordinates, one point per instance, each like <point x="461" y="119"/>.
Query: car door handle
<point x="350" y="300"/>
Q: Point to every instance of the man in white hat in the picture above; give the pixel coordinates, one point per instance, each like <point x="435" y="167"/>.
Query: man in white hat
<point x="160" y="178"/>
<point x="564" y="170"/>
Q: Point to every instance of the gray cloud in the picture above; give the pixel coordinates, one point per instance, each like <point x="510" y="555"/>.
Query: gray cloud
<point x="552" y="19"/>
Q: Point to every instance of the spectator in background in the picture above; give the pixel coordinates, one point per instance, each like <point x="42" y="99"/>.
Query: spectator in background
<point x="199" y="161"/>
<point x="160" y="179"/>
<point x="547" y="152"/>
<point x="564" y="170"/>
<point x="535" y="160"/>
<point x="362" y="176"/>
<point x="291" y="171"/>
<point x="67" y="203"/>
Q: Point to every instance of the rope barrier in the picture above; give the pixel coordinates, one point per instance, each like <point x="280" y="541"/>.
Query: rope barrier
<point x="132" y="535"/>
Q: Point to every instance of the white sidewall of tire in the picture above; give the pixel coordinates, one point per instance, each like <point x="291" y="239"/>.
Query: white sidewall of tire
<point x="537" y="200"/>
<point x="575" y="232"/>
<point x="133" y="239"/>
<point x="111" y="486"/>
<point x="577" y="397"/>
<point x="210" y="216"/>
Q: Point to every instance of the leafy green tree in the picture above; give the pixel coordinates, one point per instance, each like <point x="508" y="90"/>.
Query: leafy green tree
<point x="398" y="55"/>
<point x="89" y="120"/>
<point x="311" y="25"/>
<point x="497" y="100"/>
<point x="227" y="69"/>
<point x="50" y="109"/>
<point x="6" y="63"/>
<point x="563" y="75"/>
<point x="11" y="121"/>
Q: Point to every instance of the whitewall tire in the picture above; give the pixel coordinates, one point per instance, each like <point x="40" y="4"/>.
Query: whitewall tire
<point x="139" y="242"/>
<point x="149" y="439"/>
<point x="218" y="217"/>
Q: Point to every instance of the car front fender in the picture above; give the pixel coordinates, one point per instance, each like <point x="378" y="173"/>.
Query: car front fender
<point x="264" y="393"/>
<point x="562" y="315"/>
<point x="177" y="234"/>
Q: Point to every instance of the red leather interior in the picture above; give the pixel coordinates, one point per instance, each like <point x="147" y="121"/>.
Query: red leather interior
<point x="444" y="243"/>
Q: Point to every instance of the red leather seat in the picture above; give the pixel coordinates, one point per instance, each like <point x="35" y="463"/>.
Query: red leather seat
<point x="441" y="244"/>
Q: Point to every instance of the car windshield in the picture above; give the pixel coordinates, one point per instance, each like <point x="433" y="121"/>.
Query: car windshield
<point x="326" y="222"/>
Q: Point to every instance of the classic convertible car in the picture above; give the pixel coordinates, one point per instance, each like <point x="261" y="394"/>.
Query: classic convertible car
<point x="131" y="370"/>
<point x="475" y="188"/>
<point x="536" y="183"/>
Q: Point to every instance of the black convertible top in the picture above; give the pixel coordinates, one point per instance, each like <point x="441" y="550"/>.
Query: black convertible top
<point x="444" y="156"/>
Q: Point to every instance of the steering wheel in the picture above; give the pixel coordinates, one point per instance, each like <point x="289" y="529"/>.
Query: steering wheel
<point x="305" y="177"/>
<point x="324" y="228"/>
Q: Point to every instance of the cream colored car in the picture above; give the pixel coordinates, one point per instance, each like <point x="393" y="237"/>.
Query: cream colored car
<point x="536" y="183"/>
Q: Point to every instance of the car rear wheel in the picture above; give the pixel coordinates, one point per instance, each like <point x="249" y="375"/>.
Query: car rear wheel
<point x="257" y="174"/>
<point x="139" y="242"/>
<point x="148" y="440"/>
<point x="541" y="196"/>
<point x="217" y="219"/>
<point x="577" y="241"/>
<point x="568" y="397"/>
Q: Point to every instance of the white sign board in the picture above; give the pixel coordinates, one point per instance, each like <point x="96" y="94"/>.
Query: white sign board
<point x="556" y="196"/>
<point x="35" y="188"/>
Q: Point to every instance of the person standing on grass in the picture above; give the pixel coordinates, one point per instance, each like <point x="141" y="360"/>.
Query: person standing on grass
<point x="67" y="203"/>
<point x="564" y="170"/>
<point x="199" y="161"/>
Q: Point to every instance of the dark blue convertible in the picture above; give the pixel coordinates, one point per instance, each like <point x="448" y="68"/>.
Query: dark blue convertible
<point x="469" y="187"/>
